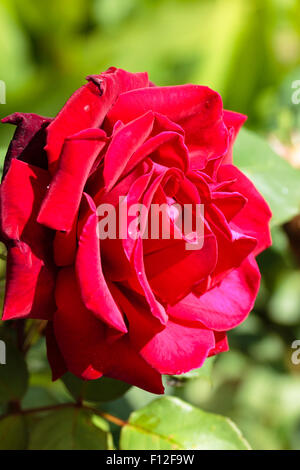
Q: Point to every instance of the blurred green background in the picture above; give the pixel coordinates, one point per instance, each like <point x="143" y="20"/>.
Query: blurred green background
<point x="249" y="51"/>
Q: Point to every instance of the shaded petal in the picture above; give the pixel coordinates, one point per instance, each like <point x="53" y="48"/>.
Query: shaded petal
<point x="234" y="122"/>
<point x="54" y="355"/>
<point x="30" y="270"/>
<point x="173" y="349"/>
<point x="28" y="141"/>
<point x="82" y="341"/>
<point x="221" y="343"/>
<point x="29" y="290"/>
<point x="65" y="246"/>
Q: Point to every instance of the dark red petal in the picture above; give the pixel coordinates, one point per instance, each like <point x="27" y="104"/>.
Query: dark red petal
<point x="173" y="349"/>
<point x="82" y="341"/>
<point x="28" y="141"/>
<point x="221" y="343"/>
<point x="30" y="270"/>
<point x="29" y="291"/>
<point x="65" y="246"/>
<point x="54" y="355"/>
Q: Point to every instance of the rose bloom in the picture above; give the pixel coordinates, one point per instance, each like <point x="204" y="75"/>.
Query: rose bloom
<point x="124" y="308"/>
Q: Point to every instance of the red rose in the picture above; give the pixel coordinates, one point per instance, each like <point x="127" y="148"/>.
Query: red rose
<point x="130" y="309"/>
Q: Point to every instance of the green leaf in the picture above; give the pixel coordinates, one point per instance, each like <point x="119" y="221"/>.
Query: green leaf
<point x="169" y="424"/>
<point x="13" y="433"/>
<point x="69" y="429"/>
<point x="13" y="375"/>
<point x="274" y="177"/>
<point x="100" y="390"/>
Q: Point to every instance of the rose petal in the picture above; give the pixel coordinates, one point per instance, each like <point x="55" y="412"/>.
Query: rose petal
<point x="30" y="270"/>
<point x="173" y="271"/>
<point x="93" y="287"/>
<point x="123" y="145"/>
<point x="234" y="122"/>
<point x="221" y="343"/>
<point x="54" y="355"/>
<point x="176" y="102"/>
<point x="225" y="306"/>
<point x="29" y="285"/>
<point x="254" y="219"/>
<point x="63" y="197"/>
<point x="230" y="204"/>
<point x="173" y="349"/>
<point x="65" y="246"/>
<point x="82" y="340"/>
<point x="28" y="141"/>
<point x="88" y="106"/>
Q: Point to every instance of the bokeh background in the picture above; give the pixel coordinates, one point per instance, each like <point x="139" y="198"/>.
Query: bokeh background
<point x="249" y="51"/>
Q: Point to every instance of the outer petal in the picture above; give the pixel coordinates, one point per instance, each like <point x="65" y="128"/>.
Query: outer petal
<point x="88" y="106"/>
<point x="174" y="349"/>
<point x="82" y="340"/>
<point x="29" y="291"/>
<point x="234" y="122"/>
<point x="221" y="343"/>
<point x="30" y="272"/>
<point x="226" y="305"/>
<point x="179" y="348"/>
<point x="28" y="141"/>
<point x="63" y="197"/>
<point x="254" y="219"/>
